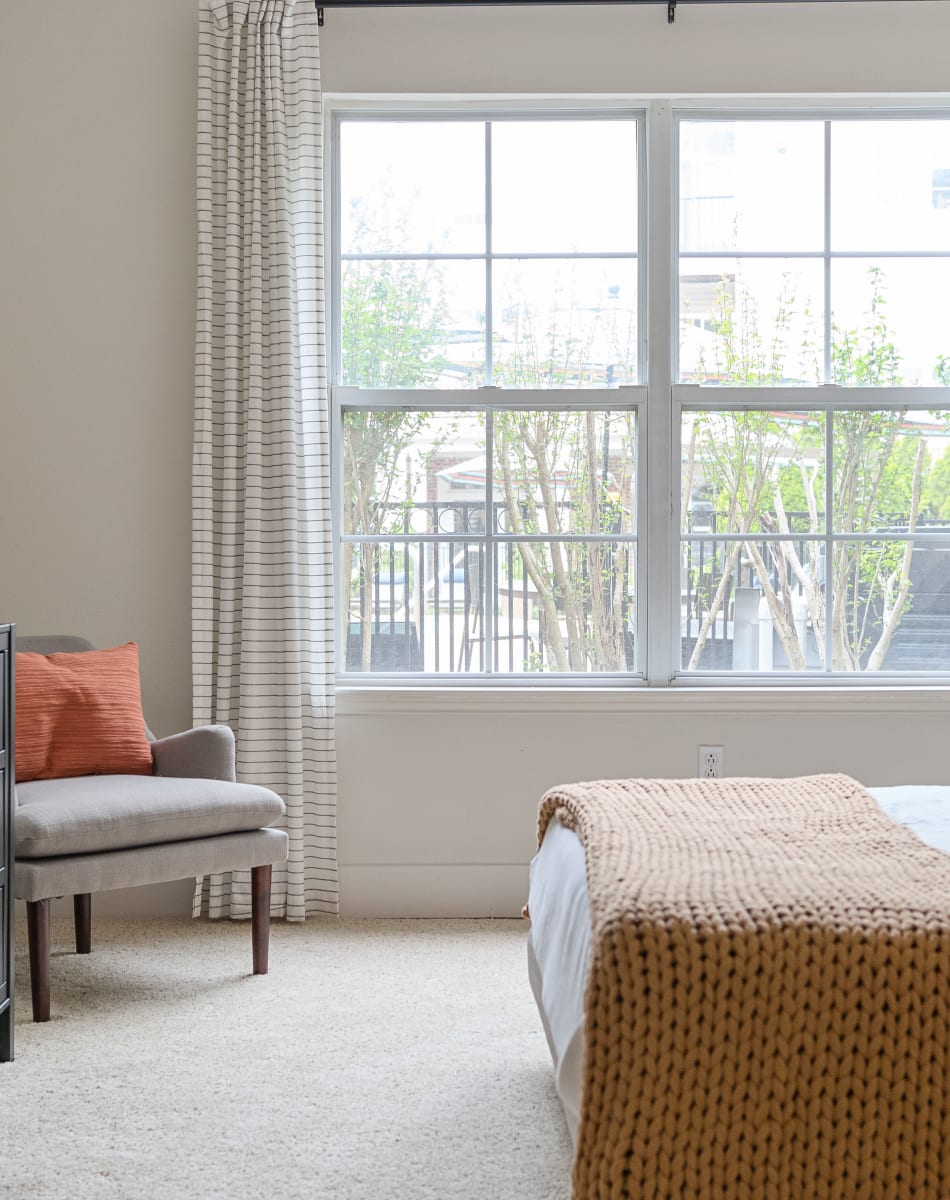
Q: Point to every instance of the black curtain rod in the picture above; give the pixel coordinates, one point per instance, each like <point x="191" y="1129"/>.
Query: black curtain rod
<point x="670" y="4"/>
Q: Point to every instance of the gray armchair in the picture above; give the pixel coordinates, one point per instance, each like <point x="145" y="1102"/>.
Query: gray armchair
<point x="97" y="832"/>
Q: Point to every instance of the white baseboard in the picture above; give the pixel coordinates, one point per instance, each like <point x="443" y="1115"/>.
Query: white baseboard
<point x="442" y="890"/>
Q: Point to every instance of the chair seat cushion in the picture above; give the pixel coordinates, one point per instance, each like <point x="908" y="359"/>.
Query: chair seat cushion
<point x="113" y="812"/>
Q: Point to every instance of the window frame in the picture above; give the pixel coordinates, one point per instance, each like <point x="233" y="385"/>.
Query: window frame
<point x="658" y="398"/>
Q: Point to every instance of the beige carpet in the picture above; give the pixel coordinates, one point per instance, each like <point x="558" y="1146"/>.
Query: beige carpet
<point x="399" y="1060"/>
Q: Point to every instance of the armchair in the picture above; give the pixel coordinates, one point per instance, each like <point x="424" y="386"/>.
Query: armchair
<point x="92" y="833"/>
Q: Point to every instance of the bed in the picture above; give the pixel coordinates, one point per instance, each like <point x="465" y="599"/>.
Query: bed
<point x="560" y="943"/>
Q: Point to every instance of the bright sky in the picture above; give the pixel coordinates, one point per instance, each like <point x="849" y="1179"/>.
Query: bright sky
<point x="561" y="186"/>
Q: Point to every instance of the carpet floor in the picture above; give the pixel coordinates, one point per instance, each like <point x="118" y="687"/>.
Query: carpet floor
<point x="398" y="1060"/>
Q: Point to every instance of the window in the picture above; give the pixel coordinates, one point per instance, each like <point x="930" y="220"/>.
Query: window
<point x="524" y="492"/>
<point x="471" y="256"/>
<point x="488" y="519"/>
<point x="550" y="541"/>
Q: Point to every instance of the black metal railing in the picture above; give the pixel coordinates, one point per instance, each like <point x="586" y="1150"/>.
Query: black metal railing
<point x="419" y="590"/>
<point x="703" y="558"/>
<point x="417" y="603"/>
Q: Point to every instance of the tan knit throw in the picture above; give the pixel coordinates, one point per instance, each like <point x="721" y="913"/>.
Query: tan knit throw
<point x="768" y="1000"/>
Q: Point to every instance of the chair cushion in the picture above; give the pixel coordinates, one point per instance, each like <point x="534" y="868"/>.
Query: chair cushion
<point x="80" y="714"/>
<point x="114" y="812"/>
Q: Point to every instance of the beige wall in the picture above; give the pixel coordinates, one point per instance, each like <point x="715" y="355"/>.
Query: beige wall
<point x="96" y="328"/>
<point x="598" y="48"/>
<point x="96" y="305"/>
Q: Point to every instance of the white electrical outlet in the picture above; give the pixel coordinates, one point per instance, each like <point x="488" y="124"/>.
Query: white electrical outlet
<point x="710" y="762"/>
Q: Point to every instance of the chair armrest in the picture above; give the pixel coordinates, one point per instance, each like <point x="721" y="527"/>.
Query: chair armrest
<point x="203" y="753"/>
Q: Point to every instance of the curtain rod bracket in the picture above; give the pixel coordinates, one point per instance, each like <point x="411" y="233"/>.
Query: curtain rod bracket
<point x="670" y="11"/>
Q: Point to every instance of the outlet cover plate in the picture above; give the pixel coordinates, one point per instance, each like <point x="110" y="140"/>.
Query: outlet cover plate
<point x="710" y="762"/>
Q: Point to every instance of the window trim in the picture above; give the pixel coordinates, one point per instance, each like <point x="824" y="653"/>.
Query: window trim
<point x="660" y="398"/>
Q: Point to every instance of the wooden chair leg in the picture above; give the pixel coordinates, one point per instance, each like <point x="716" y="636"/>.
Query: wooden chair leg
<point x="37" y="926"/>
<point x="260" y="916"/>
<point x="82" y="908"/>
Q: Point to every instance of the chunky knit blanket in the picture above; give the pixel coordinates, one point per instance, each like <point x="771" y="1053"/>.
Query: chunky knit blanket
<point x="768" y="999"/>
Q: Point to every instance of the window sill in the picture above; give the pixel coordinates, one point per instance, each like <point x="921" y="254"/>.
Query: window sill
<point x="678" y="701"/>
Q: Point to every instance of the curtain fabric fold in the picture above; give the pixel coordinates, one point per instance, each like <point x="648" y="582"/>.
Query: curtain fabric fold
<point x="262" y="578"/>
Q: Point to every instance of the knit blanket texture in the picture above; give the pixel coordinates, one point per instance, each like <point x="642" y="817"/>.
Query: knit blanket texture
<point x="768" y="998"/>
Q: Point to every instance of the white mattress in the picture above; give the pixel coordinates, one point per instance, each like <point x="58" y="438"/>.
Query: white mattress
<point x="559" y="941"/>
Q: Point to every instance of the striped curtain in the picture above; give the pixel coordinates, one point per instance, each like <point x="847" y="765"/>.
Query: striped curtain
<point x="262" y="580"/>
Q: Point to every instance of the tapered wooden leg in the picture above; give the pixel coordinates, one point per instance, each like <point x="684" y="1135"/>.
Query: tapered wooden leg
<point x="260" y="916"/>
<point x="82" y="907"/>
<point x="37" y="928"/>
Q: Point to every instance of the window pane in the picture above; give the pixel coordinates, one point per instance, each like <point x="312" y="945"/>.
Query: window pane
<point x="563" y="323"/>
<point x="889" y="468"/>
<point x="416" y="606"/>
<point x="412" y="187"/>
<point x="890" y="321"/>
<point x="565" y="606"/>
<point x="890" y="185"/>
<point x="752" y="321"/>
<point x="413" y="472"/>
<point x="414" y="323"/>
<point x="890" y="609"/>
<point x="380" y="634"/>
<point x="753" y="472"/>
<point x="751" y="605"/>
<point x="564" y="186"/>
<point x="746" y="605"/>
<point x="751" y="185"/>
<point x="565" y="472"/>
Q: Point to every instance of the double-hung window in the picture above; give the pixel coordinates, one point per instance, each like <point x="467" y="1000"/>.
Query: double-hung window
<point x="642" y="395"/>
<point x="489" y="348"/>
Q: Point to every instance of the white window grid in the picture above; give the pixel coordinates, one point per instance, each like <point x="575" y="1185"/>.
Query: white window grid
<point x="659" y="399"/>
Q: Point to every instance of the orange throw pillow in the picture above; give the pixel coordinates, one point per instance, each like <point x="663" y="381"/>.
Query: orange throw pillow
<point x="80" y="714"/>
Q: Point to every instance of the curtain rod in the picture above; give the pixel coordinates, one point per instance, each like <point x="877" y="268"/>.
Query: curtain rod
<point x="670" y="4"/>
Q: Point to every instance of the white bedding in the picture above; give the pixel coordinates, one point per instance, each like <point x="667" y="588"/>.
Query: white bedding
<point x="559" y="941"/>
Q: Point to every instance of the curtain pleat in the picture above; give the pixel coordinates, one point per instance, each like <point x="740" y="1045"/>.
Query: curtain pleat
<point x="262" y="579"/>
